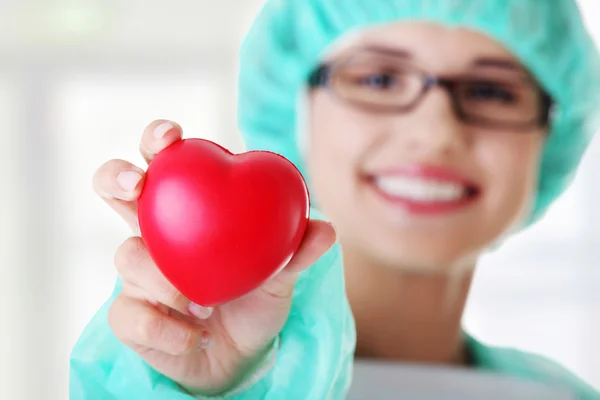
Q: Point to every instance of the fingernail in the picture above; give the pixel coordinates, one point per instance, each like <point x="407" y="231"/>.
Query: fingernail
<point x="128" y="180"/>
<point x="199" y="311"/>
<point x="153" y="302"/>
<point x="205" y="340"/>
<point x="161" y="130"/>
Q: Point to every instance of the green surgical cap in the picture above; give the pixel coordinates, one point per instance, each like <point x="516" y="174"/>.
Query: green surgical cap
<point x="289" y="37"/>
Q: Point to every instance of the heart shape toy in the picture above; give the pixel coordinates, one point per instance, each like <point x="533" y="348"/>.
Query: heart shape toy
<point x="218" y="224"/>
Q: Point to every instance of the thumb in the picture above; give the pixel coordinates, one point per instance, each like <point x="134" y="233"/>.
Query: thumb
<point x="318" y="238"/>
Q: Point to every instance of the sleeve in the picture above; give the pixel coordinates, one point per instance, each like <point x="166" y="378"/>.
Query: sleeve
<point x="311" y="359"/>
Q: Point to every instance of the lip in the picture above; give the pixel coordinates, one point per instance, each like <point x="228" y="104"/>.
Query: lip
<point x="441" y="173"/>
<point x="438" y="173"/>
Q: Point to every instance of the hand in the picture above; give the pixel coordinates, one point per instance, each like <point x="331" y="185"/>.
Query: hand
<point x="205" y="350"/>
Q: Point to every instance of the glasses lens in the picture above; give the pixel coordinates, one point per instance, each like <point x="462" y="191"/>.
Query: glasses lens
<point x="388" y="83"/>
<point x="377" y="82"/>
<point x="499" y="101"/>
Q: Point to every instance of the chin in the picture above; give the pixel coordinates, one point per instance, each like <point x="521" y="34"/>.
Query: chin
<point x="425" y="257"/>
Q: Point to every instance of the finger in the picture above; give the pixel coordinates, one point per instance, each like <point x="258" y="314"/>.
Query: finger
<point x="119" y="183"/>
<point x="157" y="136"/>
<point x="318" y="238"/>
<point x="135" y="265"/>
<point x="137" y="323"/>
<point x="131" y="290"/>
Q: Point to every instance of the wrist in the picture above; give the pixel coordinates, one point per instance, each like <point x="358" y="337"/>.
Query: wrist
<point x="253" y="372"/>
<point x="257" y="369"/>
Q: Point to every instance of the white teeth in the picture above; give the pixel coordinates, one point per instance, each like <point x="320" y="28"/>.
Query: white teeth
<point x="420" y="190"/>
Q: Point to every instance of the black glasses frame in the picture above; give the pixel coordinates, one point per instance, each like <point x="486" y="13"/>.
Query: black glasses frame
<point x="321" y="78"/>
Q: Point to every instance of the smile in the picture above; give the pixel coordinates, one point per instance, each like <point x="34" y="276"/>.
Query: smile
<point x="425" y="189"/>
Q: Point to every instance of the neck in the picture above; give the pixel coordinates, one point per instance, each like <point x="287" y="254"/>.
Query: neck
<point x="407" y="316"/>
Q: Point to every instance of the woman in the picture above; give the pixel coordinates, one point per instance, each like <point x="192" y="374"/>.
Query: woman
<point x="427" y="130"/>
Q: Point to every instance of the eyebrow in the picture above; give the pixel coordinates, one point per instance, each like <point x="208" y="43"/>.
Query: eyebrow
<point x="502" y="63"/>
<point x="391" y="51"/>
<point x="482" y="62"/>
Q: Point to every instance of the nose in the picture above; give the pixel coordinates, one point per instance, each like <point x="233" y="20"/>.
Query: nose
<point x="433" y="128"/>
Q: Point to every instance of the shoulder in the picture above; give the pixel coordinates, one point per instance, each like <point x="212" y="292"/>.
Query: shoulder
<point x="529" y="366"/>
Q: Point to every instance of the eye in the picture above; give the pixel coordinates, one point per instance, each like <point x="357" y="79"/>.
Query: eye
<point x="487" y="90"/>
<point x="373" y="77"/>
<point x="379" y="81"/>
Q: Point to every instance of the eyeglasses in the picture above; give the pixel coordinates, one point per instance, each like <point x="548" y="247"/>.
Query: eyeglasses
<point x="383" y="83"/>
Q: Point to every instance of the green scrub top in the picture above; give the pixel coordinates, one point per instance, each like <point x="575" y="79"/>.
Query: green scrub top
<point x="102" y="368"/>
<point x="528" y="366"/>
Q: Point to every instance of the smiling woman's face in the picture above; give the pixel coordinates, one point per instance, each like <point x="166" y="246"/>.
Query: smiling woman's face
<point x="405" y="180"/>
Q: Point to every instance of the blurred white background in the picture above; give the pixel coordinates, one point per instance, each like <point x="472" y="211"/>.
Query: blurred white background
<point x="79" y="80"/>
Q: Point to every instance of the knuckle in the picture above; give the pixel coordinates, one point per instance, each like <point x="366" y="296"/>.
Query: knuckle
<point x="179" y="339"/>
<point x="174" y="298"/>
<point x="155" y="331"/>
<point x="129" y="255"/>
<point x="149" y="328"/>
<point x="190" y="341"/>
<point x="279" y="293"/>
<point x="280" y="287"/>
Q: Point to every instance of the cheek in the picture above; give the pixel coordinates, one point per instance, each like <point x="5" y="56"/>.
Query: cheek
<point x="336" y="141"/>
<point x="335" y="130"/>
<point x="512" y="167"/>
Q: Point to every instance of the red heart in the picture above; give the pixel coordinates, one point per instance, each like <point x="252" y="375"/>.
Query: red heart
<point x="218" y="225"/>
